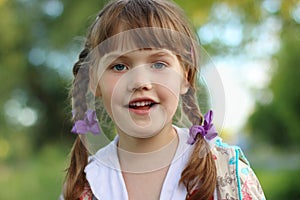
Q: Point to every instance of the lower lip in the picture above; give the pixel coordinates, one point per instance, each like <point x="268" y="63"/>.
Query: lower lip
<point x="141" y="111"/>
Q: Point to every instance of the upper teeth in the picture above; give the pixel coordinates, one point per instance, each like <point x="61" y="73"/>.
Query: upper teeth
<point x="141" y="103"/>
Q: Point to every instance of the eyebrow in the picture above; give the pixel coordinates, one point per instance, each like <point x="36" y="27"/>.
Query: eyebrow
<point x="159" y="53"/>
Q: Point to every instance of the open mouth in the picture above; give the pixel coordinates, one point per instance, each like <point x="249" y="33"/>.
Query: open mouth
<point x="142" y="105"/>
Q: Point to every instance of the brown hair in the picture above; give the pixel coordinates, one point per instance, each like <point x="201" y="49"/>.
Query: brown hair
<point x="121" y="15"/>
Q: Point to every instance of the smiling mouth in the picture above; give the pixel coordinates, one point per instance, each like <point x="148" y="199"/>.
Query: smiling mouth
<point x="142" y="105"/>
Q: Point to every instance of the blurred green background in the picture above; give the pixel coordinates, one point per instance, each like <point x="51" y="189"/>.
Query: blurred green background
<point x="40" y="40"/>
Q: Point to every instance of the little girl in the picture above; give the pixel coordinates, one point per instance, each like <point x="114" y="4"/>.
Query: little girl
<point x="140" y="60"/>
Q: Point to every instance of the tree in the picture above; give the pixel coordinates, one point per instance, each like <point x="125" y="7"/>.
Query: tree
<point x="278" y="121"/>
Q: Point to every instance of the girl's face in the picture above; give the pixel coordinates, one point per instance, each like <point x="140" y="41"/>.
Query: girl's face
<point x="140" y="90"/>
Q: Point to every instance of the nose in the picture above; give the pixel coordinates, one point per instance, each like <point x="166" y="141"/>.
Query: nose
<point x="139" y="79"/>
<point x="139" y="86"/>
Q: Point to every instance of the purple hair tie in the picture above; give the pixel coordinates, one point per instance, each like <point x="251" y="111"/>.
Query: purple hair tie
<point x="207" y="130"/>
<point x="88" y="124"/>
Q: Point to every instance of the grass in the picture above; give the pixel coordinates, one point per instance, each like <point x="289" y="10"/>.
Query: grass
<point x="38" y="178"/>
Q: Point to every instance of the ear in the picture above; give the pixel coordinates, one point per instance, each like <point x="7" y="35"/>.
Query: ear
<point x="185" y="83"/>
<point x="98" y="92"/>
<point x="184" y="87"/>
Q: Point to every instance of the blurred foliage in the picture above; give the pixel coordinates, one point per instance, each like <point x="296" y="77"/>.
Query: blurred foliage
<point x="280" y="184"/>
<point x="40" y="41"/>
<point x="277" y="120"/>
<point x="36" y="62"/>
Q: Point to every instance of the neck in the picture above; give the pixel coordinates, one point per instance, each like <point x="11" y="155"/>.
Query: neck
<point x="146" y="145"/>
<point x="148" y="154"/>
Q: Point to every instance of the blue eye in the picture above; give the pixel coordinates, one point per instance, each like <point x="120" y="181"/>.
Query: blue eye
<point x="159" y="65"/>
<point x="119" y="67"/>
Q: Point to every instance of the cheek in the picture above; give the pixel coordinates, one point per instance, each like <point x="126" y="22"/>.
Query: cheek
<point x="172" y="86"/>
<point x="169" y="98"/>
<point x="107" y="86"/>
<point x="113" y="92"/>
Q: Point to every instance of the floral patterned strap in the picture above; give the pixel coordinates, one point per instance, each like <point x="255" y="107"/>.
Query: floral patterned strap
<point x="86" y="194"/>
<point x="235" y="178"/>
<point x="194" y="192"/>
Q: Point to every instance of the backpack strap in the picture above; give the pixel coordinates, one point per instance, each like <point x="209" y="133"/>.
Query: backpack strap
<point x="87" y="194"/>
<point x="227" y="159"/>
<point x="235" y="178"/>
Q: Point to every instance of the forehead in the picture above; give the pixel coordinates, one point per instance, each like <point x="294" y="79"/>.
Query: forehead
<point x="142" y="53"/>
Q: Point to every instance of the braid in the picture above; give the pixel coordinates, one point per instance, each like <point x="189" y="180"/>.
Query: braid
<point x="75" y="178"/>
<point x="80" y="87"/>
<point x="82" y="56"/>
<point x="200" y="172"/>
<point x="190" y="107"/>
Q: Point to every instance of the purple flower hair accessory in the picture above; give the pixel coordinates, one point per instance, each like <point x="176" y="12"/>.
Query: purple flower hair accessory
<point x="88" y="124"/>
<point x="207" y="130"/>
